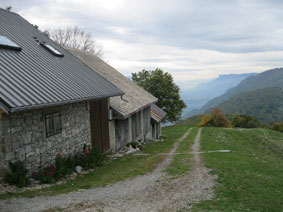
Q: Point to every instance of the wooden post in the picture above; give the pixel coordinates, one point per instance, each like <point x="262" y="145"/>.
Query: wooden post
<point x="2" y="113"/>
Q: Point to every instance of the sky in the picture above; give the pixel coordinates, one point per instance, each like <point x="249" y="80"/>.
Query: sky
<point x="194" y="40"/>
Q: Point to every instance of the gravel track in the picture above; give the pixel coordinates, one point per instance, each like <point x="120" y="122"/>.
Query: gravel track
<point x="150" y="192"/>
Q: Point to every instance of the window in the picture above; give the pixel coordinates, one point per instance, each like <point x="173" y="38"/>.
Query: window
<point x="51" y="49"/>
<point x="6" y="43"/>
<point x="53" y="124"/>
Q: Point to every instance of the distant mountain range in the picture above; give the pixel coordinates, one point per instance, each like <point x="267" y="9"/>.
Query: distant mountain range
<point x="250" y="97"/>
<point x="198" y="96"/>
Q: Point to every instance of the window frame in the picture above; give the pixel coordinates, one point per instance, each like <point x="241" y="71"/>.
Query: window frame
<point x="9" y="44"/>
<point x="50" y="122"/>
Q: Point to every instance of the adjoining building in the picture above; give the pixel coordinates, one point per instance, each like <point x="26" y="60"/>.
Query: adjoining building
<point x="130" y="117"/>
<point x="157" y="116"/>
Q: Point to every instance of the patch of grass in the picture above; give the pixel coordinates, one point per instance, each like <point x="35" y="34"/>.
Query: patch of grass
<point x="115" y="170"/>
<point x="181" y="163"/>
<point x="250" y="178"/>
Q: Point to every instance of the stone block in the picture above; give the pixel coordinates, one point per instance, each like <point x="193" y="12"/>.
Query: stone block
<point x="77" y="119"/>
<point x="10" y="156"/>
<point x="28" y="148"/>
<point x="49" y="145"/>
<point x="21" y="154"/>
<point x="37" y="135"/>
<point x="29" y="154"/>
<point x="15" y="123"/>
<point x="42" y="149"/>
<point x="75" y="131"/>
<point x="27" y="137"/>
<point x="16" y="129"/>
<point x="63" y="133"/>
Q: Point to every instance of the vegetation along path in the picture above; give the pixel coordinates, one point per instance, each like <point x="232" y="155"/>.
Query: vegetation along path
<point x="150" y="192"/>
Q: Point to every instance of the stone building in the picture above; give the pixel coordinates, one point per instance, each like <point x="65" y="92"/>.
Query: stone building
<point x="50" y="101"/>
<point x="131" y="116"/>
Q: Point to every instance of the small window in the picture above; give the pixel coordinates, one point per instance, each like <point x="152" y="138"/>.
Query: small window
<point x="51" y="49"/>
<point x="53" y="124"/>
<point x="6" y="43"/>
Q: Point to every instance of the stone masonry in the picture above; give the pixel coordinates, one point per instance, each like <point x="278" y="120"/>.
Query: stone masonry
<point x="23" y="136"/>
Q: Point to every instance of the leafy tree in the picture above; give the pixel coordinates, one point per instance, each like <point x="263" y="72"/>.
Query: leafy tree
<point x="244" y="121"/>
<point x="76" y="38"/>
<point x="277" y="127"/>
<point x="219" y="119"/>
<point x="205" y="119"/>
<point x="215" y="119"/>
<point x="161" y="85"/>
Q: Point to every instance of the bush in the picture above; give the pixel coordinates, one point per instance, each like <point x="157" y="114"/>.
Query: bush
<point x="215" y="119"/>
<point x="219" y="119"/>
<point x="135" y="144"/>
<point x="18" y="175"/>
<point x="277" y="127"/>
<point x="252" y="124"/>
<point x="65" y="165"/>
<point x="245" y="121"/>
<point x="205" y="119"/>
<point x="45" y="175"/>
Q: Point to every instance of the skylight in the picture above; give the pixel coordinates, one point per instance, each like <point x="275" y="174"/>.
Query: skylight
<point x="6" y="43"/>
<point x="51" y="49"/>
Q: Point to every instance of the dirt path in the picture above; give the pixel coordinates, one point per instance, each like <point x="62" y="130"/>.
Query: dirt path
<point x="151" y="192"/>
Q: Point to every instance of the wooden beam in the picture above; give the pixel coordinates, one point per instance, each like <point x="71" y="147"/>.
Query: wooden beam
<point x="2" y="114"/>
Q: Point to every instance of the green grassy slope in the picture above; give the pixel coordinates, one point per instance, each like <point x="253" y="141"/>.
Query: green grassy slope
<point x="251" y="177"/>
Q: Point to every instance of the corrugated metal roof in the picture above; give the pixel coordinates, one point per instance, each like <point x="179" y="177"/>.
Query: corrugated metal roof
<point x="157" y="113"/>
<point x="135" y="96"/>
<point x="34" y="77"/>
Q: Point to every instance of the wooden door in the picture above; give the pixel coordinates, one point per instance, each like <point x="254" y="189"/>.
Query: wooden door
<point x="99" y="125"/>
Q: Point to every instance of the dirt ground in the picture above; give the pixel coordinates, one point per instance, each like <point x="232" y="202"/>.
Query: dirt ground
<point x="150" y="192"/>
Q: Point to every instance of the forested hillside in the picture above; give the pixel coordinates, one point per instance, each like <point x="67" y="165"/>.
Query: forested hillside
<point x="264" y="104"/>
<point x="267" y="79"/>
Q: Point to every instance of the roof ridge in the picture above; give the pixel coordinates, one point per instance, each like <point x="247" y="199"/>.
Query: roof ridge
<point x="8" y="11"/>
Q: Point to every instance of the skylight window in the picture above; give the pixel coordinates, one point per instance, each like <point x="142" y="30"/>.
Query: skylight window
<point x="6" y="43"/>
<point x="51" y="49"/>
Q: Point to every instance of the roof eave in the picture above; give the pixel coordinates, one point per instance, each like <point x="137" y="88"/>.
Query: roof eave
<point x="32" y="107"/>
<point x="4" y="108"/>
<point x="124" y="116"/>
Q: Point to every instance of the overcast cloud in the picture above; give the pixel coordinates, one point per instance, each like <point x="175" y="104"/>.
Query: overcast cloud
<point x="197" y="39"/>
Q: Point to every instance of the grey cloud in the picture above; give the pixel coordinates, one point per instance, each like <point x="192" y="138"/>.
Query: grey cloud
<point x="220" y="25"/>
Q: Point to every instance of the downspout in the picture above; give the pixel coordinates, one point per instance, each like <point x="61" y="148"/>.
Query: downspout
<point x="124" y="99"/>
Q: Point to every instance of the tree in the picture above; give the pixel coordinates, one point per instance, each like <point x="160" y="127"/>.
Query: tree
<point x="161" y="85"/>
<point x="75" y="38"/>
<point x="215" y="119"/>
<point x="219" y="119"/>
<point x="205" y="119"/>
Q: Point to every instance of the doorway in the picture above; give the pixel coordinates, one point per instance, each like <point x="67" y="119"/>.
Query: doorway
<point x="99" y="125"/>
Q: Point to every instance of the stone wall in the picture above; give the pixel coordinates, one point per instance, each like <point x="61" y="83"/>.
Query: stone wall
<point x="23" y="135"/>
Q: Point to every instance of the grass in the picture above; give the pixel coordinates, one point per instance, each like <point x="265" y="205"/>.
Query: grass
<point x="251" y="177"/>
<point x="115" y="170"/>
<point x="181" y="163"/>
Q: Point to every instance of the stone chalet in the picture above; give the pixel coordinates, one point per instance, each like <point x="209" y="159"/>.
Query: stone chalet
<point x="50" y="101"/>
